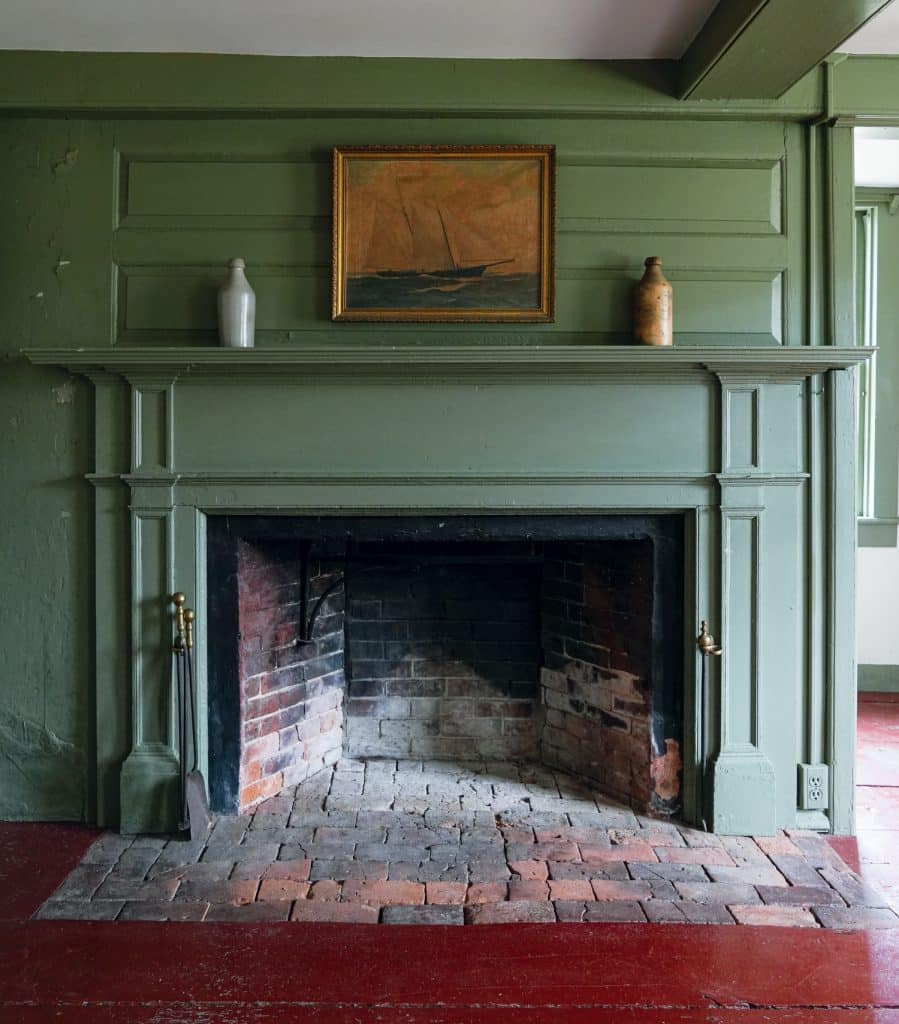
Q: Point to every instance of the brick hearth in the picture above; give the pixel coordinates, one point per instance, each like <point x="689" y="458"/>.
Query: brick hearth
<point x="403" y="842"/>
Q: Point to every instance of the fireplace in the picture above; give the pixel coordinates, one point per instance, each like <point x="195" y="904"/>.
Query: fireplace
<point x="750" y="449"/>
<point x="553" y="639"/>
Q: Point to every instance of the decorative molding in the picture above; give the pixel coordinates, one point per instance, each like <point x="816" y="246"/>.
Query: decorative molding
<point x="878" y="678"/>
<point x="768" y="363"/>
<point x="154" y="85"/>
<point x="734" y="432"/>
<point x="762" y="479"/>
<point x="748" y="730"/>
<point x="878" y="533"/>
<point x="360" y="477"/>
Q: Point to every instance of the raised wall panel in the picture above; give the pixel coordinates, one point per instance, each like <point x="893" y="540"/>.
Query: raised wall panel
<point x="698" y="198"/>
<point x="181" y="300"/>
<point x="151" y="639"/>
<point x="375" y="427"/>
<point x="741" y="634"/>
<point x="221" y="188"/>
<point x="742" y="429"/>
<point x="151" y="427"/>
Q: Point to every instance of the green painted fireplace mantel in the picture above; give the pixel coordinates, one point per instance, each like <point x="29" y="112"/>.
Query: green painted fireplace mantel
<point x="335" y="430"/>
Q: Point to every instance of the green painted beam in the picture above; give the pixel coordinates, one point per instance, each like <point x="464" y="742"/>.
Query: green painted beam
<point x="866" y="90"/>
<point x="223" y="85"/>
<point x="760" y="48"/>
<point x="723" y="27"/>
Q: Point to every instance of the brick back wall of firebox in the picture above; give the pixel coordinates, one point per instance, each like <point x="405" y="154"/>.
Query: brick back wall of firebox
<point x="291" y="692"/>
<point x="597" y="635"/>
<point x="444" y="661"/>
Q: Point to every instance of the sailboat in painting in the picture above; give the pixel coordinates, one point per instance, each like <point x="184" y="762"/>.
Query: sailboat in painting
<point x="422" y="236"/>
<point x="431" y="251"/>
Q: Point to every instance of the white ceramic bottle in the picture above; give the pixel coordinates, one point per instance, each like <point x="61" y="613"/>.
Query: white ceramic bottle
<point x="236" y="308"/>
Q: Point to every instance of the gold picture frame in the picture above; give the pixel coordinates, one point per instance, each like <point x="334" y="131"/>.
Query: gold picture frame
<point x="444" y="233"/>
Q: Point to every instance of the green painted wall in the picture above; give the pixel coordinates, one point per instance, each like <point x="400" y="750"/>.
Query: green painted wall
<point x="118" y="218"/>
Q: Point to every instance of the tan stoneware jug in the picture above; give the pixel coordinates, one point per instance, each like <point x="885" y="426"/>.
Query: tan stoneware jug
<point x="653" y="306"/>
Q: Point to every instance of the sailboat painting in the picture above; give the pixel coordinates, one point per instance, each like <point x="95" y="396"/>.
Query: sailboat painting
<point x="444" y="233"/>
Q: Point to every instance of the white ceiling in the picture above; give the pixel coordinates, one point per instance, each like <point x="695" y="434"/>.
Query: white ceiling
<point x="879" y="35"/>
<point x="574" y="29"/>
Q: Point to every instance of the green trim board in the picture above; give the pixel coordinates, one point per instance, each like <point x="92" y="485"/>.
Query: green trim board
<point x="866" y="90"/>
<point x="223" y="84"/>
<point x="878" y="678"/>
<point x="863" y="90"/>
<point x="762" y="364"/>
<point x="878" y="533"/>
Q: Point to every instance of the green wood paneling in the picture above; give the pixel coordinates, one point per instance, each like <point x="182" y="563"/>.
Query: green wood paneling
<point x="115" y="232"/>
<point x="709" y="199"/>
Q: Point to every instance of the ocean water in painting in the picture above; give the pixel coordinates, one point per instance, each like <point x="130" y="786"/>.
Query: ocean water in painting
<point x="514" y="292"/>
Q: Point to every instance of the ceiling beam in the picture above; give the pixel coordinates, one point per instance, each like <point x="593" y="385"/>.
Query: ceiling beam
<point x="758" y="48"/>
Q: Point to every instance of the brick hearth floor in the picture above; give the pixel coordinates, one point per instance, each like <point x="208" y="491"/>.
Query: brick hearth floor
<point x="402" y="842"/>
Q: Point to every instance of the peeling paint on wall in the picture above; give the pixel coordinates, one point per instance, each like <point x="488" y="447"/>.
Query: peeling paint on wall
<point x="666" y="772"/>
<point x="41" y="774"/>
<point x="65" y="393"/>
<point x="68" y="161"/>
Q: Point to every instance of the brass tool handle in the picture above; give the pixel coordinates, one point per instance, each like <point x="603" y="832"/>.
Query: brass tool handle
<point x="706" y="642"/>
<point x="189" y="617"/>
<point x="178" y="600"/>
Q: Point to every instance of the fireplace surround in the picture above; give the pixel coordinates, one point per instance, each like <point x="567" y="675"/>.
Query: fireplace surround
<point x="752" y="448"/>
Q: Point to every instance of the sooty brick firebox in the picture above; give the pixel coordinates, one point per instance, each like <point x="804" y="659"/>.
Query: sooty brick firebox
<point x="529" y="638"/>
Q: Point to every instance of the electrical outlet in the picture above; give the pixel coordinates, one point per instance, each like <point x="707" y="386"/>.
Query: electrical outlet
<point x="813" y="787"/>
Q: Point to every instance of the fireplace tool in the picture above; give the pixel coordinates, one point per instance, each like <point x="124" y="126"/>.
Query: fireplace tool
<point x="194" y="804"/>
<point x="707" y="648"/>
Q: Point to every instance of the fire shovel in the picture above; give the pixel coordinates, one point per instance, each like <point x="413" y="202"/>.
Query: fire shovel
<point x="194" y="800"/>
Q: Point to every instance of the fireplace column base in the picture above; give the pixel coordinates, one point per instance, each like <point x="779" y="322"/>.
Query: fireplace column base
<point x="743" y="792"/>
<point x="150" y="790"/>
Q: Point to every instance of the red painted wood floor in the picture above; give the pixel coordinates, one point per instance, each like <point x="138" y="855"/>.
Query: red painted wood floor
<point x="370" y="974"/>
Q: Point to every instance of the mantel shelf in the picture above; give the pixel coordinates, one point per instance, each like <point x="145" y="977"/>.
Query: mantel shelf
<point x="475" y="361"/>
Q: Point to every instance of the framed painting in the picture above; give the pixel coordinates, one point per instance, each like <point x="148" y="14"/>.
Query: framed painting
<point x="444" y="233"/>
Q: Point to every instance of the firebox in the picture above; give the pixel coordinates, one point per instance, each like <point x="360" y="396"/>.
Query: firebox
<point x="544" y="638"/>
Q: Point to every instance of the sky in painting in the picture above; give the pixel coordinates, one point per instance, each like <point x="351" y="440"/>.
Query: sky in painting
<point x="426" y="213"/>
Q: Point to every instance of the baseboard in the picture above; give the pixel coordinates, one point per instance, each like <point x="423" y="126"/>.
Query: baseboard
<point x="878" y="678"/>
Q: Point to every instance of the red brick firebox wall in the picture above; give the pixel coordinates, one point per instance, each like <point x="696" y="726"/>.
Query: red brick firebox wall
<point x="597" y="632"/>
<point x="291" y="706"/>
